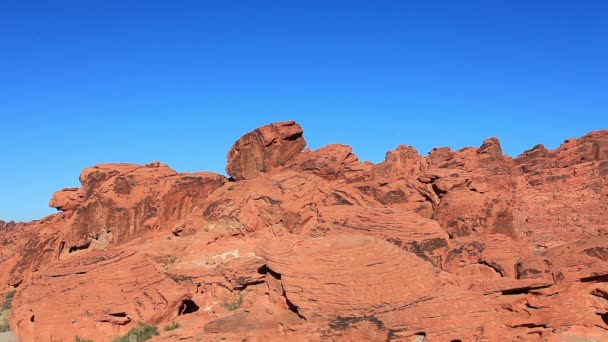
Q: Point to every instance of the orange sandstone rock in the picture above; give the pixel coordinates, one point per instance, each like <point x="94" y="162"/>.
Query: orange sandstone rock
<point x="264" y="149"/>
<point x="315" y="245"/>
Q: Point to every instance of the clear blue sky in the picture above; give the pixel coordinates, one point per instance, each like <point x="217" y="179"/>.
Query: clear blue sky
<point x="86" y="82"/>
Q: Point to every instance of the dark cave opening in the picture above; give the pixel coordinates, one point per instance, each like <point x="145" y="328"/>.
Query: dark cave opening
<point x="79" y="248"/>
<point x="188" y="306"/>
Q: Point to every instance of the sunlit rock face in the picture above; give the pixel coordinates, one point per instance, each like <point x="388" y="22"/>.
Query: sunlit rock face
<point x="316" y="245"/>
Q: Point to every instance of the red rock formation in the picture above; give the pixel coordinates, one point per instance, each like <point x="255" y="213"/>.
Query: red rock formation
<point x="107" y="290"/>
<point x="117" y="202"/>
<point x="264" y="149"/>
<point x="331" y="162"/>
<point x="7" y="226"/>
<point x="66" y="199"/>
<point x="316" y="245"/>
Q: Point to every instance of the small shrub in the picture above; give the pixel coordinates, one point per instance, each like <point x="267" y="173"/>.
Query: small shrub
<point x="80" y="339"/>
<point x="234" y="304"/>
<point x="169" y="261"/>
<point x="4" y="327"/>
<point x="142" y="332"/>
<point x="5" y="311"/>
<point x="8" y="299"/>
<point x="172" y="326"/>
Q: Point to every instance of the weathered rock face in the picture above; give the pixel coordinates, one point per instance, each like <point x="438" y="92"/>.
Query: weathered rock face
<point x="577" y="164"/>
<point x="6" y="226"/>
<point x="357" y="274"/>
<point x="66" y="199"/>
<point x="567" y="201"/>
<point x="315" y="245"/>
<point x="344" y="280"/>
<point x="332" y="162"/>
<point x="116" y="203"/>
<point x="264" y="149"/>
<point x="102" y="294"/>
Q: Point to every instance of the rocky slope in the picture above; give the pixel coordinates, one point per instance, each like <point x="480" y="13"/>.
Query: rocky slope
<point x="468" y="245"/>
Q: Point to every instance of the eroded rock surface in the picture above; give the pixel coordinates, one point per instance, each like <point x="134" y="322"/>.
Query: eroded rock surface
<point x="264" y="149"/>
<point x="467" y="245"/>
<point x="107" y="290"/>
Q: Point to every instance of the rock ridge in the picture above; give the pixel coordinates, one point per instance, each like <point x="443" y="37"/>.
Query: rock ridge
<point x="298" y="244"/>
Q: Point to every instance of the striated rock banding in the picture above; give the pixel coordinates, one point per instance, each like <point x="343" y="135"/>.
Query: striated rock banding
<point x="317" y="245"/>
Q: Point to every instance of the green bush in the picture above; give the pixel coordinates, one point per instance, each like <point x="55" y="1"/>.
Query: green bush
<point x="4" y="327"/>
<point x="172" y="326"/>
<point x="8" y="299"/>
<point x="142" y="332"/>
<point x="5" y="311"/>
<point x="235" y="304"/>
<point x="80" y="339"/>
<point x="169" y="261"/>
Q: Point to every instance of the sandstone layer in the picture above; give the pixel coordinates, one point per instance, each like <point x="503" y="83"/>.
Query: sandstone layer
<point x="467" y="245"/>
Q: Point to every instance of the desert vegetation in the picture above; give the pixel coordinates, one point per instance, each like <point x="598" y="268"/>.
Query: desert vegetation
<point x="142" y="332"/>
<point x="172" y="326"/>
<point x="5" y="311"/>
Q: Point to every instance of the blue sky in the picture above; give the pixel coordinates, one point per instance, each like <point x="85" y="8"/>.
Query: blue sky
<point x="87" y="82"/>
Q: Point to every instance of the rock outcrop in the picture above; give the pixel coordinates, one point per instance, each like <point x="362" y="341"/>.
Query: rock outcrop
<point x="264" y="149"/>
<point x="108" y="291"/>
<point x="467" y="245"/>
<point x="346" y="279"/>
<point x="6" y="226"/>
<point x="117" y="202"/>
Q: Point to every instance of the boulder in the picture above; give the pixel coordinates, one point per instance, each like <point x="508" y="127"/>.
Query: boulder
<point x="264" y="149"/>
